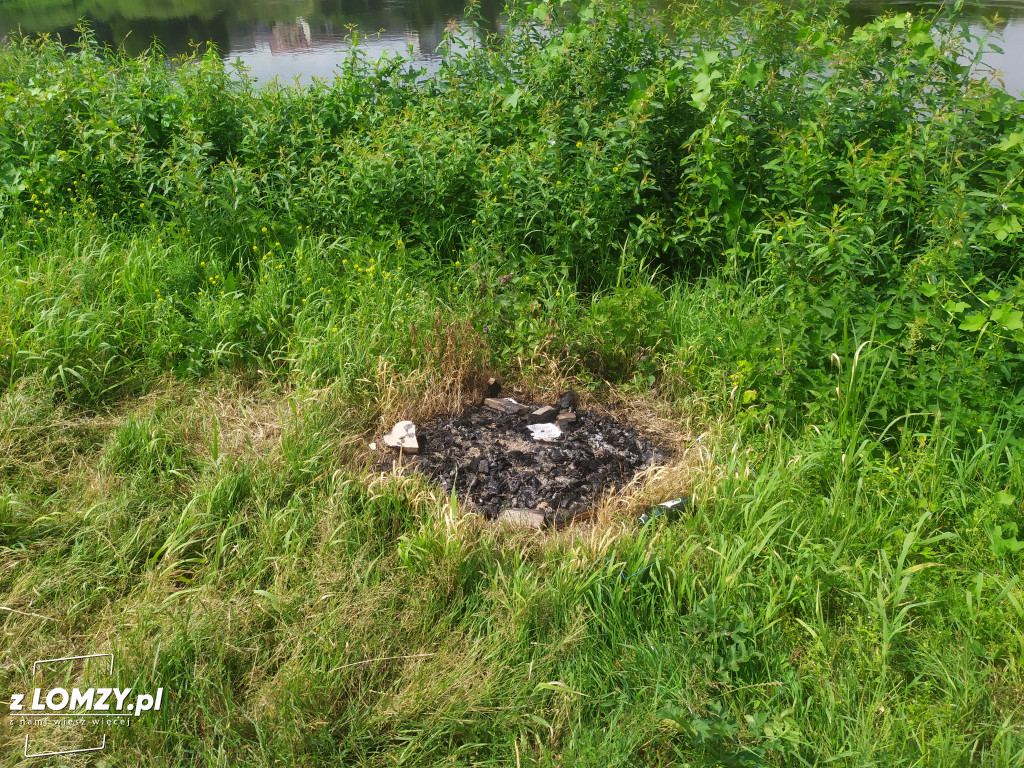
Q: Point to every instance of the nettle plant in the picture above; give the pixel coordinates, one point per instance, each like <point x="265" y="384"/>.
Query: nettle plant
<point x="870" y="188"/>
<point x="851" y="187"/>
<point x="866" y="186"/>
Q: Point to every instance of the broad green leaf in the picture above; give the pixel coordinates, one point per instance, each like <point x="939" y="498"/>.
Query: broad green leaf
<point x="707" y="58"/>
<point x="973" y="322"/>
<point x="1004" y="226"/>
<point x="1004" y="539"/>
<point x="700" y="99"/>
<point x="512" y="100"/>
<point x="1008" y="317"/>
<point x="10" y="180"/>
<point x="919" y="35"/>
<point x="1010" y="141"/>
<point x="753" y="74"/>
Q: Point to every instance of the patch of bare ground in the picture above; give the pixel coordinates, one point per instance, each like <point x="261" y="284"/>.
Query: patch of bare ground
<point x="668" y="446"/>
<point x="237" y="419"/>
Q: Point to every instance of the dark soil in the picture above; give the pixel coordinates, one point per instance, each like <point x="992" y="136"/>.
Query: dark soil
<point x="495" y="464"/>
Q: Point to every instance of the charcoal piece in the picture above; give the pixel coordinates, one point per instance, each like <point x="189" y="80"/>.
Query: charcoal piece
<point x="567" y="401"/>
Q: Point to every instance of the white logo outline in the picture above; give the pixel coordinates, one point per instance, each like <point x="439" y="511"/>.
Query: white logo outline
<point x="69" y="658"/>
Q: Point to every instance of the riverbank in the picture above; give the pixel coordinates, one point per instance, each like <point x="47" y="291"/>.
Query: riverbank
<point x="800" y="251"/>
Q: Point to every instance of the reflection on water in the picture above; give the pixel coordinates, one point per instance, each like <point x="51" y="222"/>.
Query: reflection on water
<point x="309" y="38"/>
<point x="283" y="38"/>
<point x="1008" y="33"/>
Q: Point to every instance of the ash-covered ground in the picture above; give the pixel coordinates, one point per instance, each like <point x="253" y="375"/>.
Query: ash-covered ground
<point x="494" y="462"/>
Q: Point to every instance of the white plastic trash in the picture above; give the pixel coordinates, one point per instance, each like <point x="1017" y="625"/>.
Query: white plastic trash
<point x="545" y="432"/>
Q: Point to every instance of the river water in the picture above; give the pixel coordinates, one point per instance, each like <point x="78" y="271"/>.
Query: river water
<point x="308" y="38"/>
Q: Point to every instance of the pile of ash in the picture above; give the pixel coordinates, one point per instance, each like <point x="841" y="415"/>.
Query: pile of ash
<point x="530" y="464"/>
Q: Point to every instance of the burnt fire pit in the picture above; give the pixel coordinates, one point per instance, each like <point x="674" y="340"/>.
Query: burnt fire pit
<point x="537" y="465"/>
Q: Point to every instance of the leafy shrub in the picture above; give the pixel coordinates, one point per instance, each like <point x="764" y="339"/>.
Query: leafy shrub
<point x="853" y="188"/>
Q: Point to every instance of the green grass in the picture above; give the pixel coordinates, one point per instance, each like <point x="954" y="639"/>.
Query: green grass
<point x="803" y="252"/>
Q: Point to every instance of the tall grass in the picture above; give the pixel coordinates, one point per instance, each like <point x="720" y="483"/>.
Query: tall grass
<point x="802" y="244"/>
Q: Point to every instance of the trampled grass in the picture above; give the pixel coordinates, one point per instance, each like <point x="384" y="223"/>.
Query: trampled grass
<point x="212" y="297"/>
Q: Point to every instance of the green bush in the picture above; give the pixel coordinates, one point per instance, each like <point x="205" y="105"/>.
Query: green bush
<point x="862" y="187"/>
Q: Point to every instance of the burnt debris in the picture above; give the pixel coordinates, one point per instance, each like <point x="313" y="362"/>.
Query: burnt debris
<point x="489" y="455"/>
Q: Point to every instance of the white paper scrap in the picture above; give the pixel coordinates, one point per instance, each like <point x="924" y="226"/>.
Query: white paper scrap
<point x="544" y="431"/>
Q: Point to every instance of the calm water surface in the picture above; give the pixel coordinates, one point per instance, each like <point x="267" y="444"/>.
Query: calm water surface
<point x="308" y="38"/>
